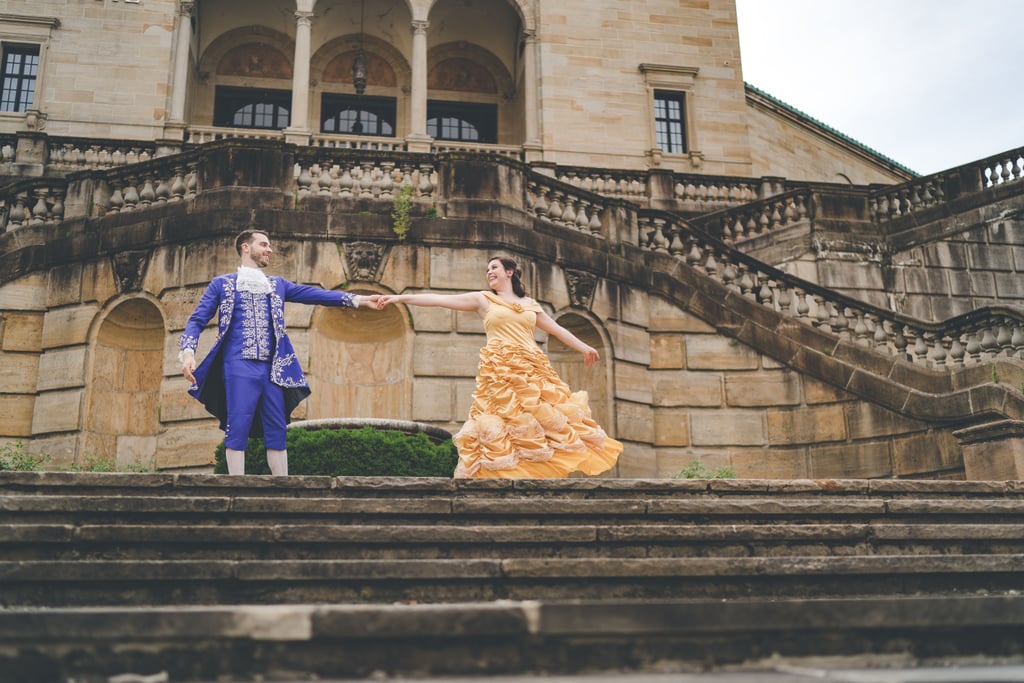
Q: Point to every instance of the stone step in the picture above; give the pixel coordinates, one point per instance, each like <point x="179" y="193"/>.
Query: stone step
<point x="292" y="642"/>
<point x="137" y="582"/>
<point x="243" y="540"/>
<point x="536" y="509"/>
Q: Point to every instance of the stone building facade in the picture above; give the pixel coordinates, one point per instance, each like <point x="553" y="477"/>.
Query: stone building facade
<point x="763" y="290"/>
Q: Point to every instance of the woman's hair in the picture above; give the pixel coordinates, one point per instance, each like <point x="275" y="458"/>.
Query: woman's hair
<point x="517" y="275"/>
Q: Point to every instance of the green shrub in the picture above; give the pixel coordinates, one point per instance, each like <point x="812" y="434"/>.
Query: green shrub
<point x="697" y="470"/>
<point x="353" y="452"/>
<point x="13" y="456"/>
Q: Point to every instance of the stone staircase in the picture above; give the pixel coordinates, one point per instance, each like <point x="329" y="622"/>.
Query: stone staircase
<point x="210" y="577"/>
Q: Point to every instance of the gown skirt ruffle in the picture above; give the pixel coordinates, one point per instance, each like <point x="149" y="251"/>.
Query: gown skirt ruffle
<point x="525" y="422"/>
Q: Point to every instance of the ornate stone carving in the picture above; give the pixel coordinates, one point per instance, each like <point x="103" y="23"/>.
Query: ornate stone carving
<point x="581" y="285"/>
<point x="129" y="268"/>
<point x="363" y="260"/>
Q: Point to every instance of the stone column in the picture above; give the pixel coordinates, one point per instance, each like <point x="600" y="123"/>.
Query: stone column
<point x="298" y="131"/>
<point x="418" y="140"/>
<point x="531" y="145"/>
<point x="174" y="128"/>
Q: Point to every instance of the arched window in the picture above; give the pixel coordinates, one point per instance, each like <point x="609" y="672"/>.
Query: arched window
<point x="462" y="121"/>
<point x="358" y="115"/>
<point x="251" y="108"/>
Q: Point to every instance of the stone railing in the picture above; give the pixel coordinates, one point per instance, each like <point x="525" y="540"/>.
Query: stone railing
<point x="757" y="217"/>
<point x="893" y="202"/>
<point x="981" y="335"/>
<point x="348" y="173"/>
<point x="75" y="154"/>
<point x="200" y="135"/>
<point x="693" y="193"/>
<point x="32" y="202"/>
<point x="340" y="173"/>
<point x="357" y="142"/>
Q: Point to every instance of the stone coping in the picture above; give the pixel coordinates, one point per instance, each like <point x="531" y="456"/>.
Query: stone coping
<point x="124" y="482"/>
<point x="591" y="618"/>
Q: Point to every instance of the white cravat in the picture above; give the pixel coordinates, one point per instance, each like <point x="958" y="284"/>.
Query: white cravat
<point x="252" y="280"/>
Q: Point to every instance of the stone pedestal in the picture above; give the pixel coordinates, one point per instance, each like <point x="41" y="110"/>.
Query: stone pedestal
<point x="993" y="451"/>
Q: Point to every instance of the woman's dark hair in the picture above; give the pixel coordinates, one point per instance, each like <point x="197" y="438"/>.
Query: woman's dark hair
<point x="517" y="275"/>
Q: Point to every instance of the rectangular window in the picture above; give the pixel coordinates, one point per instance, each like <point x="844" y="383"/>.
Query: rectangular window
<point x="20" y="70"/>
<point x="462" y="121"/>
<point x="358" y="115"/>
<point x="669" y="121"/>
<point x="251" y="108"/>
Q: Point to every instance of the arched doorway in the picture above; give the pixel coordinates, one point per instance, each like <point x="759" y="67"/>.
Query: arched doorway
<point x="122" y="411"/>
<point x="593" y="379"/>
<point x="357" y="364"/>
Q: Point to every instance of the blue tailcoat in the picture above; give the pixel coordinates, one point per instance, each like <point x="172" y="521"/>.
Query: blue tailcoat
<point x="285" y="371"/>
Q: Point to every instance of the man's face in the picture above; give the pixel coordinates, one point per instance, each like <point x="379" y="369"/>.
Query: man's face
<point x="259" y="249"/>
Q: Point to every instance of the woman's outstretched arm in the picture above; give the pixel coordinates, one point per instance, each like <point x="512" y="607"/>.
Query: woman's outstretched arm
<point x="469" y="301"/>
<point x="545" y="322"/>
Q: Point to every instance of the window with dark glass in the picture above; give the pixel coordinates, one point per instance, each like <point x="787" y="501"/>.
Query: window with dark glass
<point x="357" y="115"/>
<point x="21" y="68"/>
<point x="462" y="121"/>
<point x="251" y="108"/>
<point x="669" y="121"/>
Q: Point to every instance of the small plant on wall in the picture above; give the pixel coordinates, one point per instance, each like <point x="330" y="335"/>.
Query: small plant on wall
<point x="400" y="213"/>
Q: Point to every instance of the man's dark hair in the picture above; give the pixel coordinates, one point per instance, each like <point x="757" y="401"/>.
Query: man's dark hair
<point x="246" y="237"/>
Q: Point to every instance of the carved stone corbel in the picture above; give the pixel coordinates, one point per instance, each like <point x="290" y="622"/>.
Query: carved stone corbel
<point x="581" y="286"/>
<point x="129" y="269"/>
<point x="363" y="260"/>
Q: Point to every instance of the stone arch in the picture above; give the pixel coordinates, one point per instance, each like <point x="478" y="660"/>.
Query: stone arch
<point x="122" y="414"/>
<point x="331" y="57"/>
<point x="520" y="7"/>
<point x="358" y="364"/>
<point x="246" y="57"/>
<point x="595" y="379"/>
<point x="446" y="61"/>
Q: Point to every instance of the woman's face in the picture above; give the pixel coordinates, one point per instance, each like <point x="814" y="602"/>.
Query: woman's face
<point x="496" y="274"/>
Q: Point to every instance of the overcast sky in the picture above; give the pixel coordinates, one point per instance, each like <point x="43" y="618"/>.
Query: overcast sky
<point x="931" y="84"/>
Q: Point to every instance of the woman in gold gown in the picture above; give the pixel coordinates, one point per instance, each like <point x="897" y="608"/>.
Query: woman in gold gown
<point x="525" y="422"/>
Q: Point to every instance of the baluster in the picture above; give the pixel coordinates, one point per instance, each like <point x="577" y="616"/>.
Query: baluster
<point x="660" y="241"/>
<point x="595" y="222"/>
<point x="860" y="331"/>
<point x="694" y="255"/>
<point x="555" y="208"/>
<point x="729" y="277"/>
<point x="842" y="324"/>
<point x="938" y="353"/>
<point x="676" y="246"/>
<point x="304" y="181"/>
<point x="57" y="210"/>
<point x="899" y="341"/>
<point x="148" y="194"/>
<point x="989" y="345"/>
<point x="39" y="210"/>
<point x="784" y="298"/>
<point x="1003" y="338"/>
<point x="426" y="187"/>
<point x="1017" y="339"/>
<point x="802" y="307"/>
<point x="645" y="231"/>
<point x="163" y="190"/>
<point x="323" y="181"/>
<point x="821" y="315"/>
<point x="582" y="220"/>
<point x="130" y="194"/>
<point x="191" y="182"/>
<point x="710" y="264"/>
<point x="744" y="281"/>
<point x="776" y="217"/>
<point x="569" y="215"/>
<point x="764" y="222"/>
<point x="973" y="348"/>
<point x="956" y="352"/>
<point x="879" y="335"/>
<point x="920" y="348"/>
<point x="540" y="207"/>
<point x="116" y="199"/>
<point x="764" y="292"/>
<point x="366" y="180"/>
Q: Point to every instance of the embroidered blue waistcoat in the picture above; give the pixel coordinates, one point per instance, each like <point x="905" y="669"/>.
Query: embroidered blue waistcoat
<point x="220" y="299"/>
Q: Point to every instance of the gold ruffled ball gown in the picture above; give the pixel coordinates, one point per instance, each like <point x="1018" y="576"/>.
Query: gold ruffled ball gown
<point x="525" y="422"/>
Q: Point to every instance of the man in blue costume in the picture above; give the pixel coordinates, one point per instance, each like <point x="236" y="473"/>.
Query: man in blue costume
<point x="251" y="379"/>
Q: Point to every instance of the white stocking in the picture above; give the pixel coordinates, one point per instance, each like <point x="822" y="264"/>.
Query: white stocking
<point x="278" y="461"/>
<point x="236" y="461"/>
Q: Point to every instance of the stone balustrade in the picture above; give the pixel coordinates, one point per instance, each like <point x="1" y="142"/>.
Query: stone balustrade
<point x="707" y="247"/>
<point x="33" y="203"/>
<point x="759" y="217"/>
<point x="75" y="154"/>
<point x="893" y="202"/>
<point x="559" y="204"/>
<point x="200" y="135"/>
<point x="358" y="142"/>
<point x="348" y="173"/>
